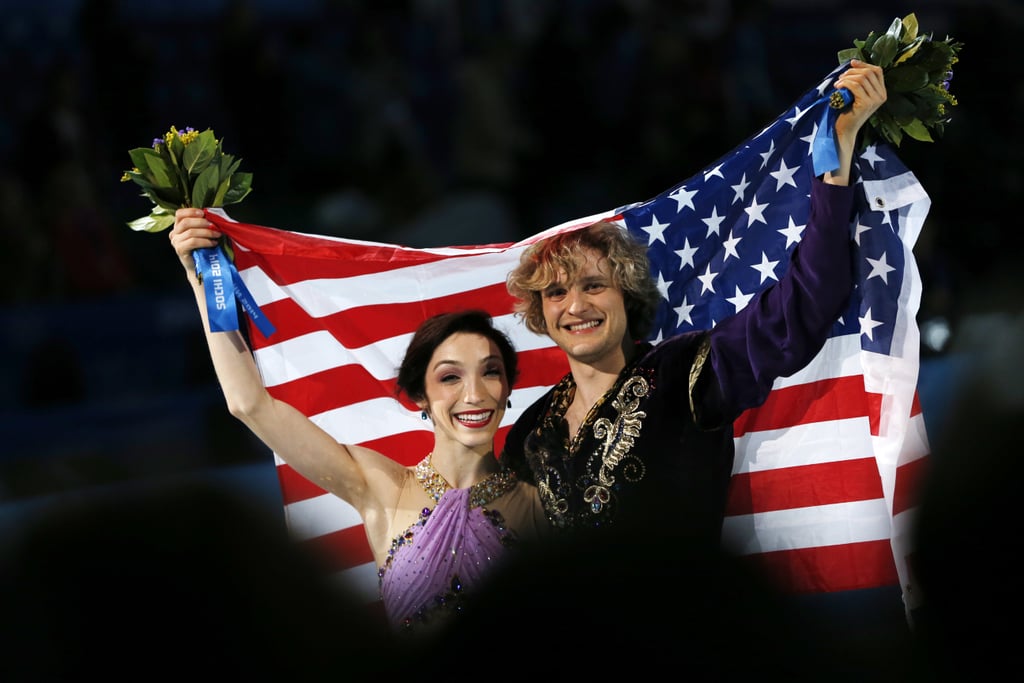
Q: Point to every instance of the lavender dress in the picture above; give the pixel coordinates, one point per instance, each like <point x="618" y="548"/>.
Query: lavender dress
<point x="447" y="551"/>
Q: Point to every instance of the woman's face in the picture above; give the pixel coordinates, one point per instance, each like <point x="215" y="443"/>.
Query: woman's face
<point x="467" y="389"/>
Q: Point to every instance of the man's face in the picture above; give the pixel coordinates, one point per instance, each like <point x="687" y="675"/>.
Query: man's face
<point x="587" y="317"/>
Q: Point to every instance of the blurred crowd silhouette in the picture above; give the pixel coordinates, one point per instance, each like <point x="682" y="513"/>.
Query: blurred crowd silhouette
<point x="418" y="122"/>
<point x="159" y="581"/>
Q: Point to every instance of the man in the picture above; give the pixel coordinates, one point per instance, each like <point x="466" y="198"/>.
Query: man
<point x="638" y="433"/>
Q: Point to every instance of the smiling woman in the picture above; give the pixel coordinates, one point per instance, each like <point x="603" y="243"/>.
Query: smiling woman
<point x="435" y="529"/>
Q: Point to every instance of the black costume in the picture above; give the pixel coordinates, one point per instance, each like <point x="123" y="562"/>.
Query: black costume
<point x="660" y="441"/>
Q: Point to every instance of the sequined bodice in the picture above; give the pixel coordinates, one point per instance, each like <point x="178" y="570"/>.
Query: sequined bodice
<point x="446" y="552"/>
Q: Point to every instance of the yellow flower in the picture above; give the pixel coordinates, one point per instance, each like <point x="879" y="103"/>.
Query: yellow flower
<point x="186" y="136"/>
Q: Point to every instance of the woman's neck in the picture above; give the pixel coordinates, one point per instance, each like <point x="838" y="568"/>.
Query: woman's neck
<point x="462" y="468"/>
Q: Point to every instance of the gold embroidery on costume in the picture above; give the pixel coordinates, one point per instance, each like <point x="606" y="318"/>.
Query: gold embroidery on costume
<point x="547" y="485"/>
<point x="698" y="364"/>
<point x="617" y="439"/>
<point x="551" y="452"/>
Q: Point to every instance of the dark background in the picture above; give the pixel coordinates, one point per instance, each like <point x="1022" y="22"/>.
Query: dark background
<point x="424" y="123"/>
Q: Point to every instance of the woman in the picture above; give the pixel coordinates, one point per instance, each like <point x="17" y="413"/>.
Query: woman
<point x="437" y="528"/>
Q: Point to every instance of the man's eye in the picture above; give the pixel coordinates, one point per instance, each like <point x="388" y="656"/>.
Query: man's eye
<point x="595" y="286"/>
<point x="554" y="294"/>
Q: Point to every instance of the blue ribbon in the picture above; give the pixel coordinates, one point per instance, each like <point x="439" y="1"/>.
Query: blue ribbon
<point x="824" y="154"/>
<point x="222" y="284"/>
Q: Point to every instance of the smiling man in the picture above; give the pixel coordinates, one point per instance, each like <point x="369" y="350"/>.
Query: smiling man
<point x="641" y="432"/>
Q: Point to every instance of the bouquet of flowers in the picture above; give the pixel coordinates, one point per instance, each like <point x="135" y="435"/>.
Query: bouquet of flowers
<point x="917" y="70"/>
<point x="184" y="168"/>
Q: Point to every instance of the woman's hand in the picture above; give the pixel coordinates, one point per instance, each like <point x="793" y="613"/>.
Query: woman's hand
<point x="191" y="231"/>
<point x="866" y="82"/>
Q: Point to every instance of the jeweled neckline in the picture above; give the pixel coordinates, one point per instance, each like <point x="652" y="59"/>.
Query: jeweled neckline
<point x="481" y="493"/>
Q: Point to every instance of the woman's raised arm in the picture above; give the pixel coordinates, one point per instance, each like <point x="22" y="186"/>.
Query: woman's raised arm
<point x="364" y="478"/>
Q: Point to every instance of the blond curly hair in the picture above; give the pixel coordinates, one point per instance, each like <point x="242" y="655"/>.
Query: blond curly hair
<point x="542" y="264"/>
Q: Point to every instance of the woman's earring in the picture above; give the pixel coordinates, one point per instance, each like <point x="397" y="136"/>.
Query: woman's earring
<point x="423" y="415"/>
<point x="510" y="403"/>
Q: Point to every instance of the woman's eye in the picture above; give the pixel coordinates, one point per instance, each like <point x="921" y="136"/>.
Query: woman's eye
<point x="449" y="378"/>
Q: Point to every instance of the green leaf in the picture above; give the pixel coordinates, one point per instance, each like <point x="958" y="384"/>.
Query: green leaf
<point x="176" y="148"/>
<point x="153" y="167"/>
<point x="199" y="153"/>
<point x="906" y="78"/>
<point x="908" y="51"/>
<point x="154" y="222"/>
<point x="162" y="175"/>
<point x="900" y="107"/>
<point x="868" y="42"/>
<point x="895" y="29"/>
<point x="228" y="165"/>
<point x="934" y="57"/>
<point x="887" y="126"/>
<point x="926" y="104"/>
<point x="850" y="53"/>
<point x="241" y="185"/>
<point x="883" y="51"/>
<point x="167" y="199"/>
<point x="910" y="28"/>
<point x="918" y="131"/>
<point x="140" y="157"/>
<point x="205" y="188"/>
<point x="222" y="189"/>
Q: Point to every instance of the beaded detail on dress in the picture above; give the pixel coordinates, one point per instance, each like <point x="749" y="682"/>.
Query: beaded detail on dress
<point x="481" y="493"/>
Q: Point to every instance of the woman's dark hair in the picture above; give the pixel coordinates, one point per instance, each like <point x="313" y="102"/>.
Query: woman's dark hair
<point x="432" y="333"/>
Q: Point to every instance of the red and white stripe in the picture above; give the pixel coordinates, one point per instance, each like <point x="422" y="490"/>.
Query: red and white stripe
<point x="819" y="494"/>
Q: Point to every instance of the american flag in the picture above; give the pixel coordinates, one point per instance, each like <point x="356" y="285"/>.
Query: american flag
<point x="822" y="494"/>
